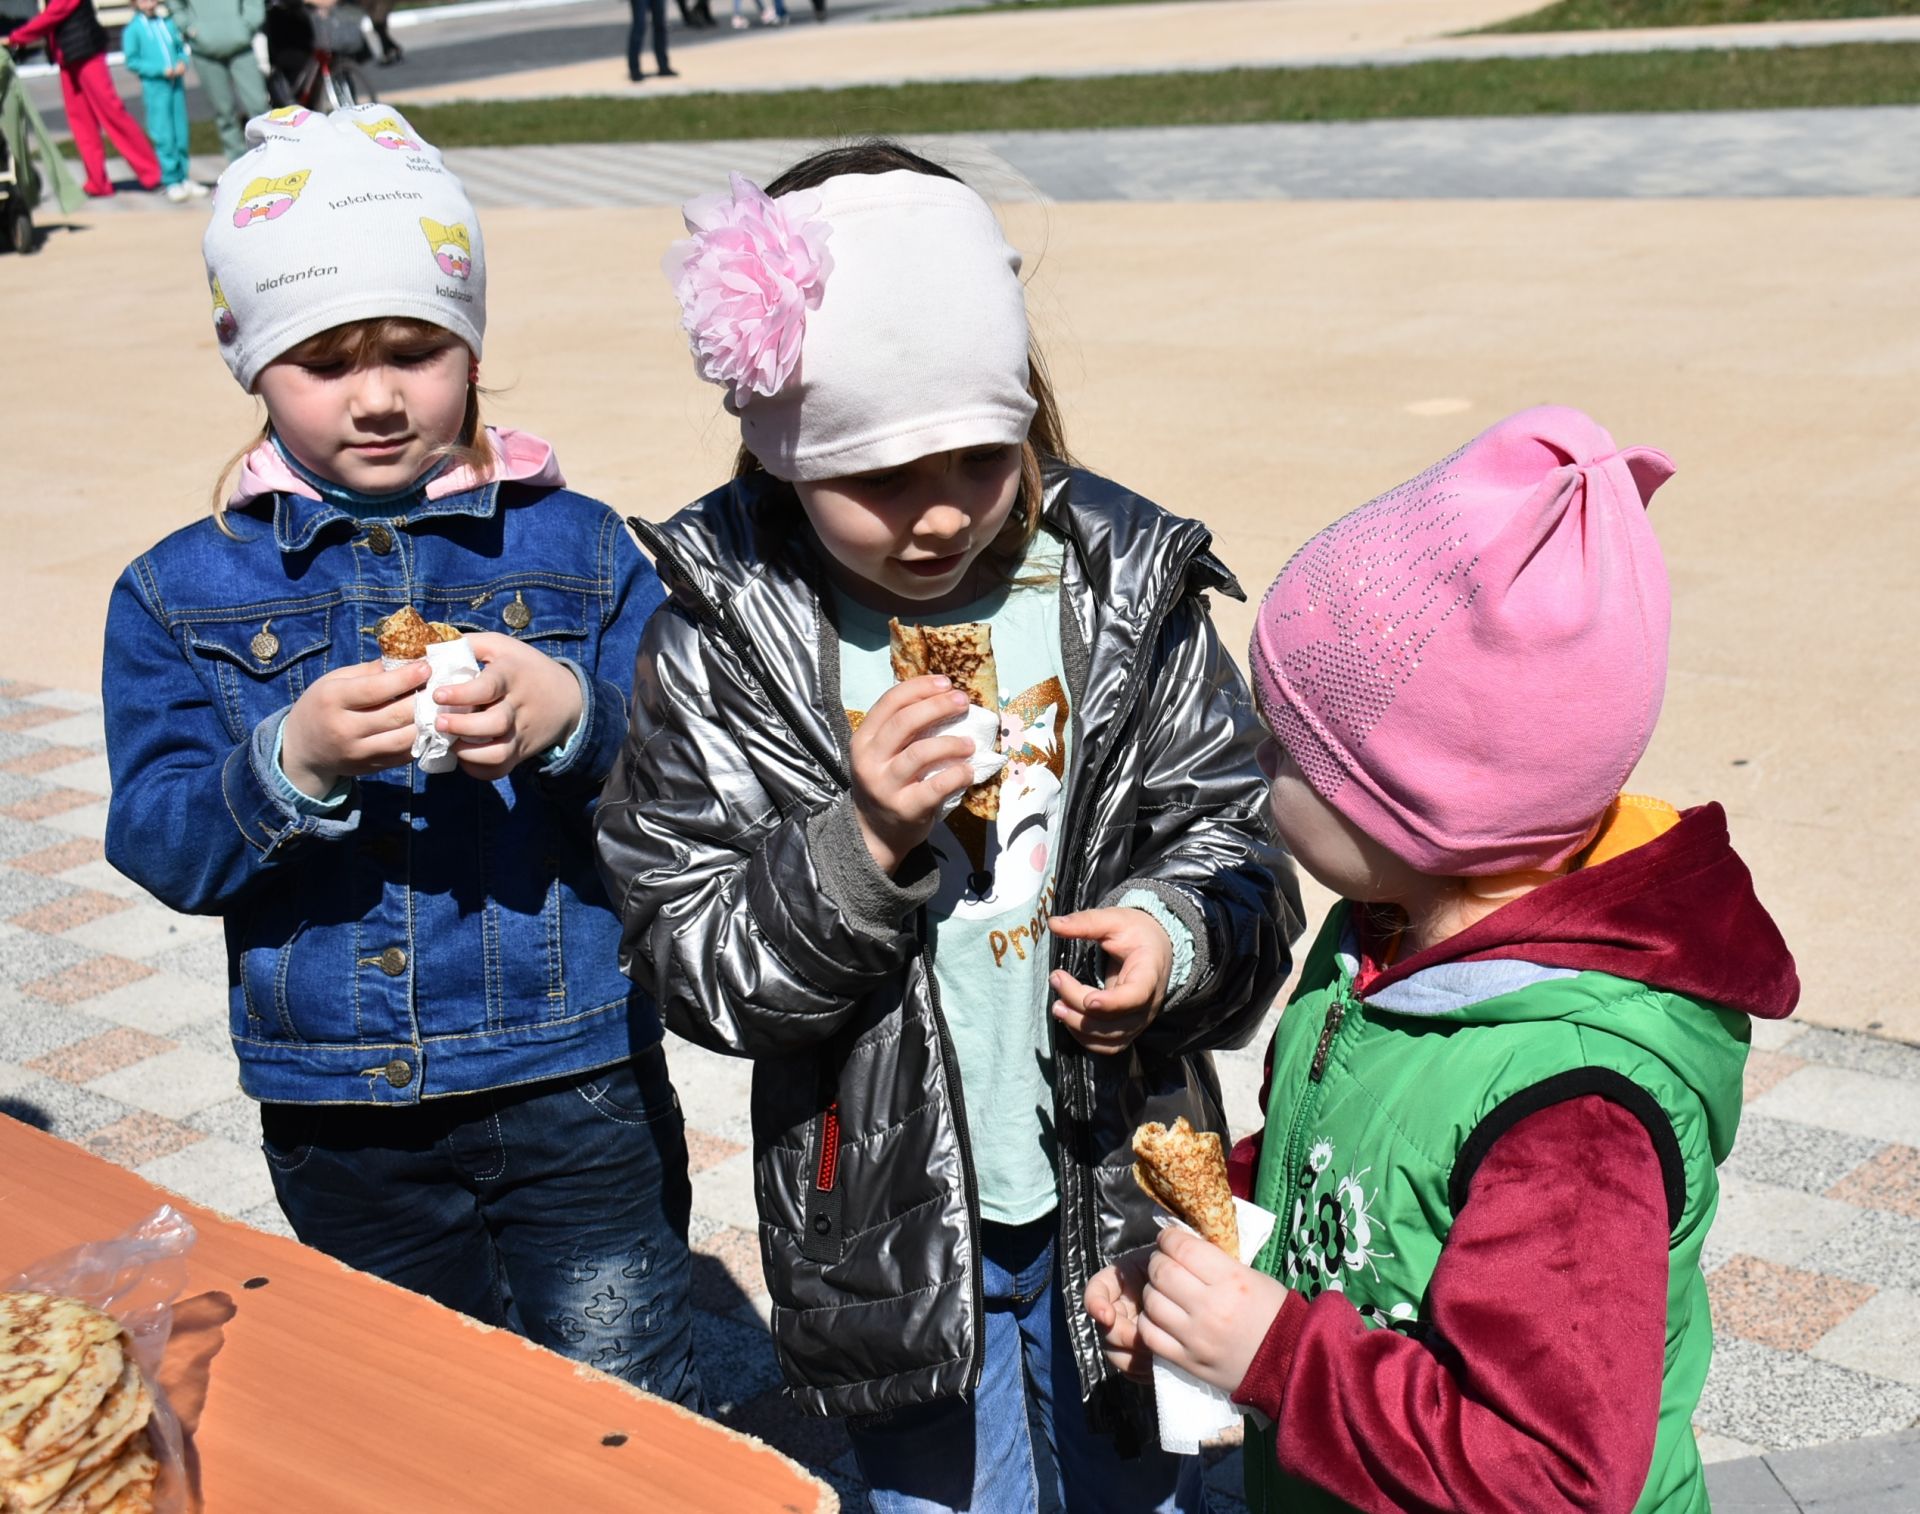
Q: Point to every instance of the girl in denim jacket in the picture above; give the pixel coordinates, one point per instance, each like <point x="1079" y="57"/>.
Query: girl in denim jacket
<point x="459" y="1091"/>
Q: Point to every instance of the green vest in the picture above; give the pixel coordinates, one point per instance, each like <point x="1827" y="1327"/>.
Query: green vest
<point x="1371" y="1140"/>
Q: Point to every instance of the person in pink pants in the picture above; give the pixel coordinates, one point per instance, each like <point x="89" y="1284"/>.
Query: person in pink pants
<point x="78" y="42"/>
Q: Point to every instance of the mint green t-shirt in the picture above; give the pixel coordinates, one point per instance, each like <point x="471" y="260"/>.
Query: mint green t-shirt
<point x="989" y="918"/>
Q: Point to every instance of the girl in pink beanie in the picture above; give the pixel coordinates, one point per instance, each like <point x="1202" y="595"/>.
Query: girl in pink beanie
<point x="1497" y="1099"/>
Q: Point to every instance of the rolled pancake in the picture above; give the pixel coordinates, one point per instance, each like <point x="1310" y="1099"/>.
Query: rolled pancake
<point x="963" y="653"/>
<point x="1185" y="1171"/>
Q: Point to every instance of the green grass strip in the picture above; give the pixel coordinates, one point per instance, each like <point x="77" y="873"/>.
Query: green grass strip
<point x="1614" y="15"/>
<point x="1750" y="79"/>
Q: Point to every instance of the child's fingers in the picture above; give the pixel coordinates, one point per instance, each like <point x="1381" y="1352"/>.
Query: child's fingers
<point x="1102" y="1034"/>
<point x="1186" y="1256"/>
<point x="1102" y="1298"/>
<point x="369" y="686"/>
<point x="381" y="720"/>
<point x="490" y="646"/>
<point x="1073" y="993"/>
<point x="486" y="687"/>
<point x="897" y="723"/>
<point x="1163" y="1325"/>
<point x="496" y="722"/>
<point x="487" y="763"/>
<point x="936" y="757"/>
<point x="377" y="751"/>
<point x="1091" y="924"/>
<point x="1122" y="994"/>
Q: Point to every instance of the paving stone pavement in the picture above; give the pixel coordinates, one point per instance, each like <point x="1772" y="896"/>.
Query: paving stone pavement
<point x="113" y="1035"/>
<point x="1719" y="154"/>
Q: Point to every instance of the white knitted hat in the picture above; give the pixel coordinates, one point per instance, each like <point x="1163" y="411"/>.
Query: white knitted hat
<point x="337" y="218"/>
<point x="857" y="326"/>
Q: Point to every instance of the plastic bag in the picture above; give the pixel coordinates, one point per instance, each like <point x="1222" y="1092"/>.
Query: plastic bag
<point x="135" y="1277"/>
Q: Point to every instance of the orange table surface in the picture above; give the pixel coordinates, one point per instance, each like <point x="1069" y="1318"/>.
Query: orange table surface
<point x="318" y="1388"/>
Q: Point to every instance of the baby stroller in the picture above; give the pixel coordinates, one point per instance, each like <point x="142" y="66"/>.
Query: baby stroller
<point x="314" y="53"/>
<point x="20" y="177"/>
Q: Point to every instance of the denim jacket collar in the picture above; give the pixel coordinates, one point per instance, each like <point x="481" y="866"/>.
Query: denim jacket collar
<point x="300" y="515"/>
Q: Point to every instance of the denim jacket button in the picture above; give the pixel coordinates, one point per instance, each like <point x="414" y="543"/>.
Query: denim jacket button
<point x="380" y="539"/>
<point x="399" y="1073"/>
<point x="393" y="962"/>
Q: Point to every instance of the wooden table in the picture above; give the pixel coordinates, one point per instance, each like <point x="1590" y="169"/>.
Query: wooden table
<point x="318" y="1388"/>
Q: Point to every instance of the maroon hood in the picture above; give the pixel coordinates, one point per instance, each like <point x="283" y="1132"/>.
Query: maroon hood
<point x="1677" y="913"/>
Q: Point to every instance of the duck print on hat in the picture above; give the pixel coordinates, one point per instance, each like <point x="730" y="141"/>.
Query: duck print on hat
<point x="452" y="247"/>
<point x="269" y="199"/>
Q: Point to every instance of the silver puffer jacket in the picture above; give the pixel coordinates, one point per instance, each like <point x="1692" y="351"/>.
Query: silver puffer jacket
<point x="755" y="916"/>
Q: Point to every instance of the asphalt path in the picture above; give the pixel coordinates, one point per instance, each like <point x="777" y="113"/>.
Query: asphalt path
<point x="452" y="51"/>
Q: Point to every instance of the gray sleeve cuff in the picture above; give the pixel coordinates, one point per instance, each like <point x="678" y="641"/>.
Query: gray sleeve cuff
<point x="1186" y="914"/>
<point x="872" y="903"/>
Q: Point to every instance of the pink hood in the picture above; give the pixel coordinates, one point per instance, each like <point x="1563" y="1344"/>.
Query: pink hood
<point x="521" y="458"/>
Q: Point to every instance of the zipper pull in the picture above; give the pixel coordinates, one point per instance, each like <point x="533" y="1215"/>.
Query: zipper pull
<point x="1336" y="1012"/>
<point x="829" y="1167"/>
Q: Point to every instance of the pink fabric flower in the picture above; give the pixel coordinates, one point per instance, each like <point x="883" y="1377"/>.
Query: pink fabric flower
<point x="745" y="280"/>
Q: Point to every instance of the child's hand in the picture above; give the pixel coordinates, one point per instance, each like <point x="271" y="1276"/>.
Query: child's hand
<point x="1205" y="1312"/>
<point x="1113" y="1299"/>
<point x="901" y="776"/>
<point x="354" y="720"/>
<point x="521" y="704"/>
<point x="1110" y="1018"/>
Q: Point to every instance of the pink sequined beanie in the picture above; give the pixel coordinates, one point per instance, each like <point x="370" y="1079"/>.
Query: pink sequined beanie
<point x="1469" y="667"/>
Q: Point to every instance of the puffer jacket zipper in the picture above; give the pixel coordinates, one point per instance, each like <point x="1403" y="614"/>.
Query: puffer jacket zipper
<point x="949" y="1060"/>
<point x="826" y="1178"/>
<point x="1077" y="1270"/>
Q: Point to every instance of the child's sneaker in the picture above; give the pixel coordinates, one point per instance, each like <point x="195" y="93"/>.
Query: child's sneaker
<point x="178" y="194"/>
<point x="195" y="189"/>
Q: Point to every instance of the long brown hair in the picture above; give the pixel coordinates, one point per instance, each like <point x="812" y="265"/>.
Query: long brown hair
<point x="370" y="342"/>
<point x="1046" y="437"/>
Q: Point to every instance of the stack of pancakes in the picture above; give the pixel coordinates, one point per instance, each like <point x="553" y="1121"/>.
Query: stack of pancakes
<point x="73" y="1412"/>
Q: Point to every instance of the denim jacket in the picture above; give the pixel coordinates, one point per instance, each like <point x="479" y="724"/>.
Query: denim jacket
<point x="428" y="936"/>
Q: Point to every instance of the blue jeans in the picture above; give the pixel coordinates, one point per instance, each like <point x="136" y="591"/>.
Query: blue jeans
<point x="557" y="1209"/>
<point x="637" y="34"/>
<point x="977" y="1452"/>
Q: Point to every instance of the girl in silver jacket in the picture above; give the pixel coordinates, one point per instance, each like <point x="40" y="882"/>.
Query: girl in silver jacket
<point x="973" y="925"/>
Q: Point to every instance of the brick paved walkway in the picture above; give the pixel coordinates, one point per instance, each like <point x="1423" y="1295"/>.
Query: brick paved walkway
<point x="112" y="1034"/>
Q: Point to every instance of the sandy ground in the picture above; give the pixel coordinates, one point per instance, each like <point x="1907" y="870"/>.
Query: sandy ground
<point x="1266" y="367"/>
<point x="1095" y="40"/>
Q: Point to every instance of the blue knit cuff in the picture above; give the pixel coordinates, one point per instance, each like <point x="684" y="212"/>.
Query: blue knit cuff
<point x="1177" y="933"/>
<point x="298" y="801"/>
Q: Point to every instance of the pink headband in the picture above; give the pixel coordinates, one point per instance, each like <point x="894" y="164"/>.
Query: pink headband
<point x="857" y="326"/>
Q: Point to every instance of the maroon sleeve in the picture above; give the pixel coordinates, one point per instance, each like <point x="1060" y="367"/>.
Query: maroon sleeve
<point x="42" y="25"/>
<point x="1536" y="1387"/>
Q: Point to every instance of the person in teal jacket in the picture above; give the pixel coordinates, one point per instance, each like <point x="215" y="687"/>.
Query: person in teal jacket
<point x="220" y="32"/>
<point x="1498" y="1096"/>
<point x="157" y="54"/>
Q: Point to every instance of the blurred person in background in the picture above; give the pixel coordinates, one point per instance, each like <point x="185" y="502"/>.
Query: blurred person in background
<point x="156" y="54"/>
<point x="220" y="32"/>
<point x="78" y="44"/>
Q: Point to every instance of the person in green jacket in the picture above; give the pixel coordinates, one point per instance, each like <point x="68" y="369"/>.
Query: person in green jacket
<point x="1497" y="1099"/>
<point x="221" y="35"/>
<point x="157" y="55"/>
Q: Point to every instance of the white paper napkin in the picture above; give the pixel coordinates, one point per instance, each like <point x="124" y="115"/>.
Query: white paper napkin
<point x="450" y="662"/>
<point x="982" y="728"/>
<point x="1192" y="1412"/>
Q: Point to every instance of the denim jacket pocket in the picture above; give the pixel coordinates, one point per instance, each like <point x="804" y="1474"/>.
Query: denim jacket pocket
<point x="263" y="663"/>
<point x="544" y="615"/>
